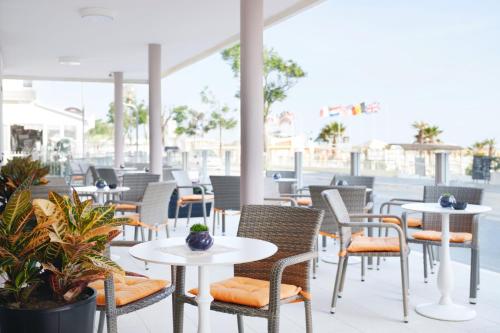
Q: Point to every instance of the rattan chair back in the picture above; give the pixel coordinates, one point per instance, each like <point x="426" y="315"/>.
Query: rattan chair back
<point x="137" y="182"/>
<point x="91" y="175"/>
<point x="108" y="174"/>
<point x="336" y="206"/>
<point x="458" y="223"/>
<point x="154" y="205"/>
<point x="226" y="192"/>
<point x="182" y="179"/>
<point x="366" y="181"/>
<point x="292" y="229"/>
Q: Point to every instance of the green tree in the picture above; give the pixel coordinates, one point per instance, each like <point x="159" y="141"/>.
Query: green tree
<point x="219" y="115"/>
<point x="190" y="122"/>
<point x="280" y="76"/>
<point x="101" y="130"/>
<point x="490" y="144"/>
<point x="332" y="133"/>
<point x="420" y="126"/>
<point x="426" y="133"/>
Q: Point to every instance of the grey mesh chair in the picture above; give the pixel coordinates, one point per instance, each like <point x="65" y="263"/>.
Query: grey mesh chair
<point x="227" y="196"/>
<point x="365" y="246"/>
<point x="109" y="175"/>
<point x="186" y="196"/>
<point x="137" y="182"/>
<point x="458" y="223"/>
<point x="354" y="199"/>
<point x="293" y="230"/>
<point x="366" y="181"/>
<point x="110" y="311"/>
<point x="91" y="175"/>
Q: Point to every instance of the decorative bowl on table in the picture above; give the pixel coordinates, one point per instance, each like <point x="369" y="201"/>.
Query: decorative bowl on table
<point x="459" y="205"/>
<point x="199" y="239"/>
<point x="100" y="183"/>
<point x="276" y="175"/>
<point x="112" y="186"/>
<point x="446" y="200"/>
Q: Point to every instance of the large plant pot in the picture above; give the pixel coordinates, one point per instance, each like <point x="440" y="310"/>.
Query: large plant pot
<point x="76" y="317"/>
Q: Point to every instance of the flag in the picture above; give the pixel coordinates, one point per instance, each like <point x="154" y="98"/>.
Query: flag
<point x="373" y="107"/>
<point x="363" y="107"/>
<point x="323" y="111"/>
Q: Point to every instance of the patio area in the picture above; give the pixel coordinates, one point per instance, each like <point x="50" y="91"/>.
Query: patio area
<point x="370" y="306"/>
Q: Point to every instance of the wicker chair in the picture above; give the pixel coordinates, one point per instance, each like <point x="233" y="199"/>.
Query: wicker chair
<point x="354" y="199"/>
<point x="400" y="249"/>
<point x="458" y="223"/>
<point x="91" y="176"/>
<point x="186" y="196"/>
<point x="366" y="181"/>
<point x="137" y="182"/>
<point x="294" y="231"/>
<point x="110" y="311"/>
<point x="109" y="175"/>
<point x="227" y="196"/>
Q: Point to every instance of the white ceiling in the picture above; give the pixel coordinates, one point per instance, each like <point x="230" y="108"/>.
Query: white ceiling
<point x="34" y="34"/>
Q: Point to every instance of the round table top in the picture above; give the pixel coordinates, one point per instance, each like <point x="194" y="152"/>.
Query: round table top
<point x="93" y="189"/>
<point x="225" y="251"/>
<point x="431" y="207"/>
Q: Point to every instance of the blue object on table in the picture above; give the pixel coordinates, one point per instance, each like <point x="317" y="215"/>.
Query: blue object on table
<point x="199" y="240"/>
<point x="100" y="183"/>
<point x="446" y="200"/>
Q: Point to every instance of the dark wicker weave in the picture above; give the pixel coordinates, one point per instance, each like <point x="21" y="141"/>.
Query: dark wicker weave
<point x="294" y="231"/>
<point x="110" y="311"/>
<point x="366" y="181"/>
<point x="335" y="203"/>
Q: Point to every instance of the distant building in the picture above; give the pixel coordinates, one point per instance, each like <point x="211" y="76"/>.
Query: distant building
<point x="32" y="128"/>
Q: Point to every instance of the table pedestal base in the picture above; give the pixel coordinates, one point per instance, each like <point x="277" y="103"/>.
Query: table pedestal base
<point x="204" y="299"/>
<point x="450" y="312"/>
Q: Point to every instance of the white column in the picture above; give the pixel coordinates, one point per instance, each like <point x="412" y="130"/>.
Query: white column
<point x="252" y="102"/>
<point x="119" y="132"/>
<point x="155" y="141"/>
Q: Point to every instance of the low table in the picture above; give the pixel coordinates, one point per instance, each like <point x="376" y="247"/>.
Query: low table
<point x="445" y="309"/>
<point x="101" y="193"/>
<point x="225" y="251"/>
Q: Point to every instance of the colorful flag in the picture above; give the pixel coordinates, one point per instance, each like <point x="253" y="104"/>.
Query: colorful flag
<point x="373" y="107"/>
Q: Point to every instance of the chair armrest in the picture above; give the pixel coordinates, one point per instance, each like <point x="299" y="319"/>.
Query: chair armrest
<point x="292" y="201"/>
<point x="277" y="273"/>
<point x="368" y="207"/>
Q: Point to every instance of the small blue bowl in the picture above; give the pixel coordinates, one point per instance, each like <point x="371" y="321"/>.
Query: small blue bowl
<point x="199" y="241"/>
<point x="459" y="205"/>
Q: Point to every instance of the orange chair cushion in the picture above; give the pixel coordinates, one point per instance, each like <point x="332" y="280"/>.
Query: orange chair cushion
<point x="247" y="291"/>
<point x="354" y="234"/>
<point x="455" y="237"/>
<point x="196" y="197"/>
<point x="411" y="222"/>
<point x="374" y="244"/>
<point x="129" y="289"/>
<point x="304" y="201"/>
<point x="126" y="207"/>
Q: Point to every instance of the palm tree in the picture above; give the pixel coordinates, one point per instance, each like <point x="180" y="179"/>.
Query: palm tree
<point x="420" y="126"/>
<point x="491" y="144"/>
<point x="477" y="148"/>
<point x="431" y="134"/>
<point x="332" y="132"/>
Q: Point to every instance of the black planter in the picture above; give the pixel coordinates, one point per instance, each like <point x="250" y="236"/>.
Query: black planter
<point x="199" y="241"/>
<point x="76" y="317"/>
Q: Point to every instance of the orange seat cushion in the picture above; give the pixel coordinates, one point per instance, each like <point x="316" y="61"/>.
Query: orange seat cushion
<point x="411" y="222"/>
<point x="129" y="289"/>
<point x="247" y="291"/>
<point x="374" y="244"/>
<point x="304" y="201"/>
<point x="126" y="207"/>
<point x="196" y="197"/>
<point x="354" y="234"/>
<point x="455" y="237"/>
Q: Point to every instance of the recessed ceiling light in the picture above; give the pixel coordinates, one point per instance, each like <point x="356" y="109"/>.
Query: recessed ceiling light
<point x="69" y="61"/>
<point x="96" y="14"/>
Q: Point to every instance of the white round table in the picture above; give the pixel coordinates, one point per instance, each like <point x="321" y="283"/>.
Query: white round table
<point x="225" y="251"/>
<point x="445" y="309"/>
<point x="101" y="193"/>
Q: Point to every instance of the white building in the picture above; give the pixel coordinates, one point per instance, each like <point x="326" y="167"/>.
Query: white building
<point x="24" y="118"/>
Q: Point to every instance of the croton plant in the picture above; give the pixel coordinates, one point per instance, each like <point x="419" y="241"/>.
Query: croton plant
<point x="50" y="250"/>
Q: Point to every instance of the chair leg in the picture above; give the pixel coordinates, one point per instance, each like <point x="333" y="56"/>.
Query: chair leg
<point x="336" y="286"/>
<point x="241" y="327"/>
<point x="102" y="319"/>
<point x="213" y="223"/>
<point x="273" y="324"/>
<point x="111" y="323"/>
<point x="323" y="242"/>
<point x="223" y="223"/>
<point x="150" y="235"/>
<point x="136" y="233"/>
<point x="314" y="267"/>
<point x="309" y="322"/>
<point x="124" y="236"/>
<point x="342" y="278"/>
<point x="362" y="268"/>
<point x="424" y="251"/>
<point x="204" y="209"/>
<point x="143" y="237"/>
<point x="478" y="269"/>
<point x="167" y="230"/>
<point x="190" y="209"/>
<point x="404" y="287"/>
<point x="473" y="276"/>
<point x="176" y="216"/>
<point x="178" y="306"/>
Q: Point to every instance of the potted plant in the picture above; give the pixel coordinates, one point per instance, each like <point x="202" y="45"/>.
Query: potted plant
<point x="199" y="239"/>
<point x="50" y="251"/>
<point x="15" y="172"/>
<point x="446" y="200"/>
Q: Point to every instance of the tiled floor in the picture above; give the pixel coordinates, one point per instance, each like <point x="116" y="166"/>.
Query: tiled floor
<point x="370" y="306"/>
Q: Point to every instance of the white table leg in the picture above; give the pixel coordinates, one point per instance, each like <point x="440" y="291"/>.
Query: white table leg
<point x="445" y="309"/>
<point x="204" y="299"/>
<point x="100" y="198"/>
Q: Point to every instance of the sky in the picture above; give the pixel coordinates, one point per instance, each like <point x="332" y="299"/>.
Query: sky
<point x="435" y="61"/>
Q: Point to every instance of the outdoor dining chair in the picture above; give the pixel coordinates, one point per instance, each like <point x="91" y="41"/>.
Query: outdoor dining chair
<point x="109" y="175"/>
<point x="293" y="230"/>
<point x="137" y="183"/>
<point x="366" y="181"/>
<point x="187" y="197"/>
<point x="227" y="196"/>
<point x="354" y="199"/>
<point x="351" y="245"/>
<point x="119" y="295"/>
